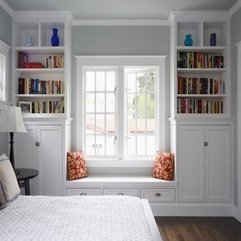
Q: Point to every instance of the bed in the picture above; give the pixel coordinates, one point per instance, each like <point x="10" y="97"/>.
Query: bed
<point x="61" y="218"/>
<point x="93" y="218"/>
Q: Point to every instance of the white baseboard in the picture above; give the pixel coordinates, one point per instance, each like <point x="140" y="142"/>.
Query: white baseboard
<point x="205" y="210"/>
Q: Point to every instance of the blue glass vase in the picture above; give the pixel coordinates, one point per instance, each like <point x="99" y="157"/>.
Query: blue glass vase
<point x="55" y="38"/>
<point x="188" y="40"/>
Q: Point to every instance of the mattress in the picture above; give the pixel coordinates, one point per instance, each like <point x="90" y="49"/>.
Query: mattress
<point x="95" y="218"/>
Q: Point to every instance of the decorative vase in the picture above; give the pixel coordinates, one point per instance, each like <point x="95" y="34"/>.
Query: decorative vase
<point x="55" y="38"/>
<point x="213" y="39"/>
<point x="188" y="41"/>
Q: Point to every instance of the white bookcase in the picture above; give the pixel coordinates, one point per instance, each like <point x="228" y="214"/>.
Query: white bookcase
<point x="200" y="74"/>
<point x="40" y="70"/>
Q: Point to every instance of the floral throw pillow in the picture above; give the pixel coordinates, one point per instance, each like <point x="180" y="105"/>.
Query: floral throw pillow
<point x="164" y="166"/>
<point x="76" y="165"/>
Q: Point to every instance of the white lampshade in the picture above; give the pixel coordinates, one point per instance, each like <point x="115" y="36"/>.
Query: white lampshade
<point x="11" y="119"/>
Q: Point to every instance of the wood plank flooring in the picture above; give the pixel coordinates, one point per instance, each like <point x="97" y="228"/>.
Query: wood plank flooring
<point x="199" y="228"/>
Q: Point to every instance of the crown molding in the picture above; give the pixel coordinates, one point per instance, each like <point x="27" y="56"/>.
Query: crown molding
<point x="48" y="15"/>
<point x="7" y="8"/>
<point x="234" y="8"/>
<point x="120" y="22"/>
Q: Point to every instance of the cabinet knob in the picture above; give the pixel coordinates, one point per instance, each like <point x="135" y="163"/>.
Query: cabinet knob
<point x="83" y="194"/>
<point x="37" y="143"/>
<point x="120" y="194"/>
<point x="205" y="143"/>
<point x="158" y="194"/>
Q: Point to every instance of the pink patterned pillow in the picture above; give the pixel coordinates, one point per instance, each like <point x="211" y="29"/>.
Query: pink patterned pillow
<point x="164" y="166"/>
<point x="76" y="165"/>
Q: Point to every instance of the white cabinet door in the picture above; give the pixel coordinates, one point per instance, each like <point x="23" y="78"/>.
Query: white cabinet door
<point x="217" y="163"/>
<point x="25" y="153"/>
<point x="50" y="159"/>
<point x="191" y="163"/>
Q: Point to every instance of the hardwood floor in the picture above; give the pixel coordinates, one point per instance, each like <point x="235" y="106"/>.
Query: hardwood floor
<point x="199" y="228"/>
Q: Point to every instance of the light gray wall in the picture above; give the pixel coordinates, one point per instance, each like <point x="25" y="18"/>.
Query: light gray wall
<point x="6" y="36"/>
<point x="235" y="38"/>
<point x="120" y="40"/>
<point x="5" y="27"/>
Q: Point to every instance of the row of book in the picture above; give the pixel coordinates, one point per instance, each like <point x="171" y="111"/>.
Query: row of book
<point x="54" y="61"/>
<point x="35" y="86"/>
<point x="199" y="106"/>
<point x="199" y="60"/>
<point x="55" y="107"/>
<point x="191" y="85"/>
<point x="51" y="61"/>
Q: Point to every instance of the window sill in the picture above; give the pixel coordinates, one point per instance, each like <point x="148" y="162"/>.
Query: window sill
<point x="119" y="163"/>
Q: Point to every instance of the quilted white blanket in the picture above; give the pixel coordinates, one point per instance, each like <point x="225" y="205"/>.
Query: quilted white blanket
<point x="43" y="218"/>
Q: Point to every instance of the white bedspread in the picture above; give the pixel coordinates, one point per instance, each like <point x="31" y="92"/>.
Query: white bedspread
<point x="107" y="218"/>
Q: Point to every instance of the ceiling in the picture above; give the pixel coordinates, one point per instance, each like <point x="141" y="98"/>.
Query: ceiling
<point x="120" y="9"/>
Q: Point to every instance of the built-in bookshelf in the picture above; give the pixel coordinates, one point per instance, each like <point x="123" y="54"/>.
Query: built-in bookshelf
<point x="40" y="68"/>
<point x="200" y="73"/>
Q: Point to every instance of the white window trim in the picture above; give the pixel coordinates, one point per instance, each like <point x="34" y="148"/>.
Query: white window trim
<point x="119" y="61"/>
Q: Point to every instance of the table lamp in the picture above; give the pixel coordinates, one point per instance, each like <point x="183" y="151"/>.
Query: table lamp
<point x="11" y="121"/>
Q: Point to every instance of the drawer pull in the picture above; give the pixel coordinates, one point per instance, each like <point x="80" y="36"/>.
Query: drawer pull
<point x="158" y="194"/>
<point x="120" y="194"/>
<point x="83" y="194"/>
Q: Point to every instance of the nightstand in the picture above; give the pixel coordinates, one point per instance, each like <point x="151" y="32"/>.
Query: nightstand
<point x="23" y="176"/>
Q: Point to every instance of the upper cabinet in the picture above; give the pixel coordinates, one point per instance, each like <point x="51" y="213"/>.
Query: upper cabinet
<point x="41" y="65"/>
<point x="200" y="64"/>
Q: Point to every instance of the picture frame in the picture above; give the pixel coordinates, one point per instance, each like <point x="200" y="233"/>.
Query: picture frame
<point x="26" y="106"/>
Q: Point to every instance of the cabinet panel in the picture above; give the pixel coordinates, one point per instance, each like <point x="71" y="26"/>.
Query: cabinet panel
<point x="191" y="163"/>
<point x="158" y="195"/>
<point x="83" y="192"/>
<point x="121" y="191"/>
<point x="50" y="159"/>
<point x="217" y="163"/>
<point x="25" y="153"/>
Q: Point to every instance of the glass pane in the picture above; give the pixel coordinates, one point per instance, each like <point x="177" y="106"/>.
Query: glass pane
<point x="110" y="145"/>
<point x="90" y="81"/>
<point x="131" y="124"/>
<point x="90" y="124"/>
<point x="110" y="103"/>
<point x="100" y="124"/>
<point x="150" y="105"/>
<point x="151" y="125"/>
<point x="141" y="82"/>
<point x="110" y="81"/>
<point x="110" y="124"/>
<point x="90" y="145"/>
<point x="141" y="124"/>
<point x="90" y="102"/>
<point x="141" y="145"/>
<point x="131" y="100"/>
<point x="131" y="145"/>
<point x="141" y="103"/>
<point x="100" y="81"/>
<point x="100" y="103"/>
<point x="150" y="142"/>
<point x="131" y="82"/>
<point x="100" y="145"/>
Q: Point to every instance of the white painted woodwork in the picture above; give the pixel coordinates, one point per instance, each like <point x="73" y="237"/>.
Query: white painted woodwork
<point x="159" y="194"/>
<point x="50" y="159"/>
<point x="83" y="192"/>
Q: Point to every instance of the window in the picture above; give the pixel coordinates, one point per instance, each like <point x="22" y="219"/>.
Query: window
<point x="3" y="70"/>
<point x="120" y="107"/>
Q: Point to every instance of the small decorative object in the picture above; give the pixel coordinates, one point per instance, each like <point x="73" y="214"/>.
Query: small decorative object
<point x="29" y="40"/>
<point x="55" y="38"/>
<point x="26" y="106"/>
<point x="164" y="166"/>
<point x="76" y="165"/>
<point x="213" y="40"/>
<point x="188" y="40"/>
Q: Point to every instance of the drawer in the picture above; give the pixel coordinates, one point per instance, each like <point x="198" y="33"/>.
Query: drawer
<point x="83" y="192"/>
<point x="159" y="195"/>
<point x="121" y="191"/>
